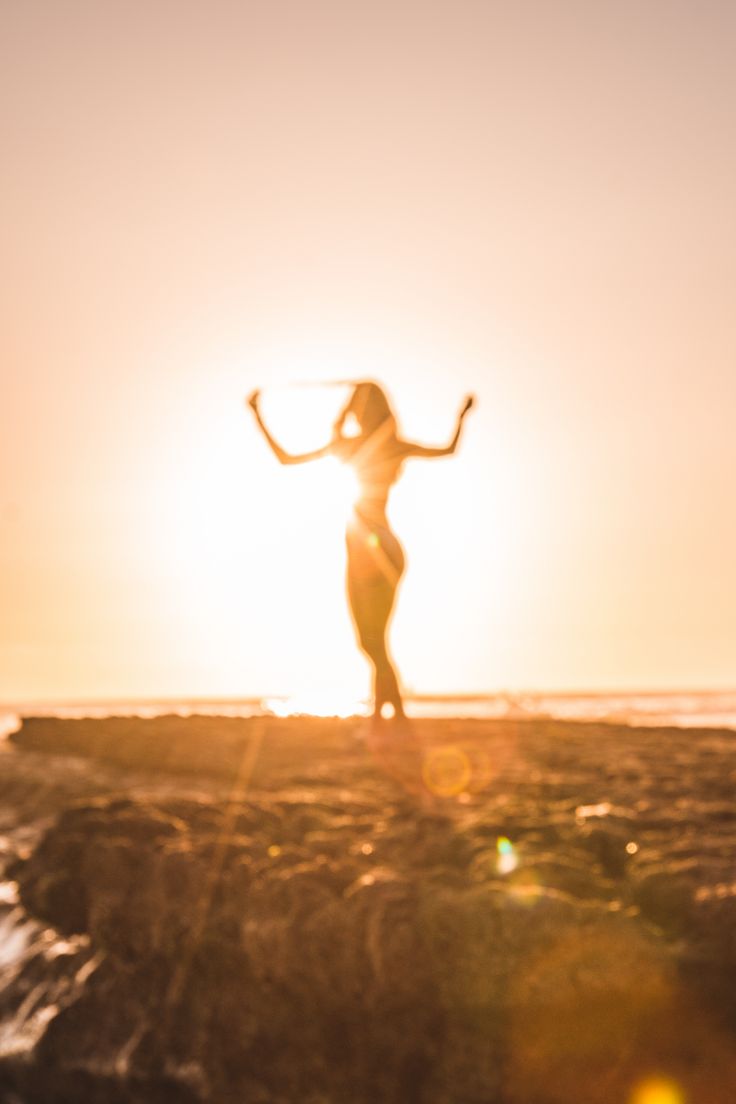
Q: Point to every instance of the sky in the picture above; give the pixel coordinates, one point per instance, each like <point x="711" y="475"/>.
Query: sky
<point x="532" y="202"/>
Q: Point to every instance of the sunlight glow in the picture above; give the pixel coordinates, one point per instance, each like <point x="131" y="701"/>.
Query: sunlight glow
<point x="247" y="557"/>
<point x="323" y="703"/>
<point x="658" y="1090"/>
<point x="339" y="487"/>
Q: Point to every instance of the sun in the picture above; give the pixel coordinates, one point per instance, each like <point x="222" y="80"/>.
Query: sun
<point x="337" y="486"/>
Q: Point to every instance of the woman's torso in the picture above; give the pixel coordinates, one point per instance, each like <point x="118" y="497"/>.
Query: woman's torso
<point x="374" y="552"/>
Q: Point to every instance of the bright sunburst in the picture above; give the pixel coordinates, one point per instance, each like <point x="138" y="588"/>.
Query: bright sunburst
<point x="337" y="486"/>
<point x="321" y="703"/>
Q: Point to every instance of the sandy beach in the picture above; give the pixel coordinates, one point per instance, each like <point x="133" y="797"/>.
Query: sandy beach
<point x="218" y="909"/>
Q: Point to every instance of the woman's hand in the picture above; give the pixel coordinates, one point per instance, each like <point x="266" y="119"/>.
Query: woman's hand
<point x="469" y="402"/>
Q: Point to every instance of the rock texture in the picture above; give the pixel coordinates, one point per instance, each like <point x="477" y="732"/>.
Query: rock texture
<point x="483" y="913"/>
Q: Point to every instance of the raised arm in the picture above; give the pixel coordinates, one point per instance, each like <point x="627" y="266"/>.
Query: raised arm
<point x="431" y="453"/>
<point x="281" y="455"/>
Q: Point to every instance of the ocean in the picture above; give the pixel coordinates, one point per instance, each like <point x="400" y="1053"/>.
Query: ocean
<point x="693" y="709"/>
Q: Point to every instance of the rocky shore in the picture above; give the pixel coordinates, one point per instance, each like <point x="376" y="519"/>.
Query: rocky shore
<point x="221" y="910"/>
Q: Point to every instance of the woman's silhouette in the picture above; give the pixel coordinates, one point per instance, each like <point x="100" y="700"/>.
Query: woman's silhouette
<point x="375" y="559"/>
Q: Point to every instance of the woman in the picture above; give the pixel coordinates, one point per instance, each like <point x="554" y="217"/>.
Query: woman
<point x="375" y="557"/>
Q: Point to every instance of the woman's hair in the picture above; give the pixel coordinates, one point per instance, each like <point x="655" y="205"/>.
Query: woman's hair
<point x="370" y="407"/>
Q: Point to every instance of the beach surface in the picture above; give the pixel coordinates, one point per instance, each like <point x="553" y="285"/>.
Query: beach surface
<point x="262" y="910"/>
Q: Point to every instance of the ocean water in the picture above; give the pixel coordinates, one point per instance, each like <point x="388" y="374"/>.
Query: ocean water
<point x="694" y="709"/>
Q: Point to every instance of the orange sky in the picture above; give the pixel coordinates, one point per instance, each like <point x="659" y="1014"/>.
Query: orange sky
<point x="531" y="201"/>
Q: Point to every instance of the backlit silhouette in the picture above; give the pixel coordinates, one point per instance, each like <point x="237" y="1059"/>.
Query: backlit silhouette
<point x="365" y="436"/>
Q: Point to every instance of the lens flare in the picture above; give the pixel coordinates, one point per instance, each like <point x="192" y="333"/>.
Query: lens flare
<point x="658" y="1090"/>
<point x="446" y="771"/>
<point x="507" y="860"/>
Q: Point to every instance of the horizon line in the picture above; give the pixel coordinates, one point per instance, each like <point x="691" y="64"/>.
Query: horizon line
<point x="449" y="696"/>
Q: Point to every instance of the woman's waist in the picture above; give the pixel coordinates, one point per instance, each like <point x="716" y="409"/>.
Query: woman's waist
<point x="370" y="512"/>
<point x="373" y="549"/>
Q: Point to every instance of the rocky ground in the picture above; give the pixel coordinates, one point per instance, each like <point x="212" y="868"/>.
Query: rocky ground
<point x="219" y="910"/>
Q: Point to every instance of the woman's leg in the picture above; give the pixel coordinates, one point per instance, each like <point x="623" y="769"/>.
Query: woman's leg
<point x="371" y="603"/>
<point x="386" y="685"/>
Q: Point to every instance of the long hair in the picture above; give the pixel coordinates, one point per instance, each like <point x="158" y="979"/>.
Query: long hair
<point x="371" y="409"/>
